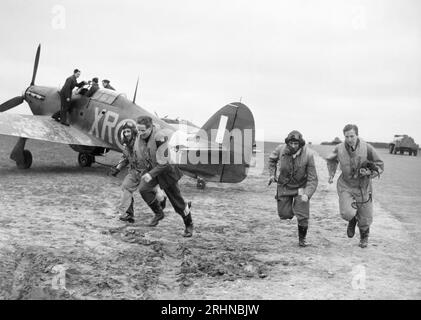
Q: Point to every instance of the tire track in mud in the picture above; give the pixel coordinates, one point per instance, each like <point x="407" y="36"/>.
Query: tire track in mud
<point x="28" y="274"/>
<point x="173" y="266"/>
<point x="223" y="265"/>
<point x="147" y="279"/>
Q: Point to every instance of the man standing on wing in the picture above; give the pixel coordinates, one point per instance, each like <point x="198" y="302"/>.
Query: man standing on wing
<point x="66" y="97"/>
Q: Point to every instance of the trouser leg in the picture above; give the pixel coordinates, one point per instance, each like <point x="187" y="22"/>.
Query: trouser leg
<point x="365" y="219"/>
<point x="150" y="198"/>
<point x="365" y="214"/>
<point x="174" y="195"/>
<point x="346" y="210"/>
<point x="148" y="191"/>
<point x="130" y="210"/>
<point x="301" y="210"/>
<point x="285" y="207"/>
<point x="126" y="201"/>
<point x="357" y="209"/>
<point x="181" y="207"/>
<point x="151" y="191"/>
<point x="64" y="108"/>
<point x="288" y="206"/>
<point x="129" y="185"/>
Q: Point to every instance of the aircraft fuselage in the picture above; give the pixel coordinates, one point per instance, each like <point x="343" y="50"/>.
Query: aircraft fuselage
<point x="101" y="115"/>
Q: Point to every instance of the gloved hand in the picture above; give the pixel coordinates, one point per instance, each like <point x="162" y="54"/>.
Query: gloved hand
<point x="304" y="197"/>
<point x="147" y="177"/>
<point x="365" y="172"/>
<point x="114" y="171"/>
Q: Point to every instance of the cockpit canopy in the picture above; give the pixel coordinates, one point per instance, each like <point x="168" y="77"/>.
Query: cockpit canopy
<point x="106" y="96"/>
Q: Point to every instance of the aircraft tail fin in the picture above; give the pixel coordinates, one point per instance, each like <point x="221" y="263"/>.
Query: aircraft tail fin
<point x="233" y="128"/>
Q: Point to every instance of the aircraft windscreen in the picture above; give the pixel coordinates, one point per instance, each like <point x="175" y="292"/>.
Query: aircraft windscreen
<point x="105" y="96"/>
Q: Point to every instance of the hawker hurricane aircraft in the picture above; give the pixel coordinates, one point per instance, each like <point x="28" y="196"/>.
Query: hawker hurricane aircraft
<point x="220" y="151"/>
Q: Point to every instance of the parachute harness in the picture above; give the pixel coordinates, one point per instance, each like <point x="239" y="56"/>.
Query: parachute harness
<point x="290" y="178"/>
<point x="356" y="204"/>
<point x="373" y="168"/>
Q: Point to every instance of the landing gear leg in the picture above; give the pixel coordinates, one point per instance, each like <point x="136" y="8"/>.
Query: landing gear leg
<point x="22" y="157"/>
<point x="85" y="159"/>
<point x="201" y="183"/>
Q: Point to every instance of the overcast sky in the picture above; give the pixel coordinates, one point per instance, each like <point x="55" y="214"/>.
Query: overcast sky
<point x="308" y="65"/>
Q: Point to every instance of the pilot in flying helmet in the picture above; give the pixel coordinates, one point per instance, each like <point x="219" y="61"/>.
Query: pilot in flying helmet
<point x="128" y="133"/>
<point x="294" y="141"/>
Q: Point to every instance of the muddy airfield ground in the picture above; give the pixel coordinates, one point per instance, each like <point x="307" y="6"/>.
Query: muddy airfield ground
<point x="58" y="216"/>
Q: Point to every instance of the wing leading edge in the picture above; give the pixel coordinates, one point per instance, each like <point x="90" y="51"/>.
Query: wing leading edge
<point x="47" y="129"/>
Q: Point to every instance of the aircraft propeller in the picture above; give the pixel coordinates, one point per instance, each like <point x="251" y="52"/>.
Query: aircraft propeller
<point x="135" y="92"/>
<point x="34" y="73"/>
<point x="14" y="102"/>
<point x="11" y="103"/>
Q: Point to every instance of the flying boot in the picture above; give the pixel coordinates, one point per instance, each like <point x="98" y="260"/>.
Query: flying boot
<point x="302" y="233"/>
<point x="129" y="215"/>
<point x="350" y="230"/>
<point x="159" y="213"/>
<point x="188" y="222"/>
<point x="364" y="238"/>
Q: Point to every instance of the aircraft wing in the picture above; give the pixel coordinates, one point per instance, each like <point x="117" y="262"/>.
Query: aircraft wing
<point x="47" y="129"/>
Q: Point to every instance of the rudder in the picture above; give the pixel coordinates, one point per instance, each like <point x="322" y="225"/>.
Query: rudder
<point x="233" y="127"/>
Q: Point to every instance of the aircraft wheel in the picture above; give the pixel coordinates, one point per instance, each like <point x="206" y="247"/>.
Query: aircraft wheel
<point x="85" y="159"/>
<point x="201" y="184"/>
<point x="27" y="160"/>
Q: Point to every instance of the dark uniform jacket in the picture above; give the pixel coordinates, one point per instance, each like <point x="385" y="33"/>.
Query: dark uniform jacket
<point x="94" y="88"/>
<point x="295" y="171"/>
<point x="154" y="152"/>
<point x="69" y="85"/>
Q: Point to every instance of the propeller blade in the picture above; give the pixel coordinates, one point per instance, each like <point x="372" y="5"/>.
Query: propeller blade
<point x="135" y="92"/>
<point x="34" y="73"/>
<point x="9" y="104"/>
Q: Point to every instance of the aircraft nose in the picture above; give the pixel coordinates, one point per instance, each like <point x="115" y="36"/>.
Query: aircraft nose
<point x="31" y="92"/>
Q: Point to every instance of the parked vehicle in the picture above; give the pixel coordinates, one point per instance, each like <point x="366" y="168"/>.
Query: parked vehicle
<point x="403" y="143"/>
